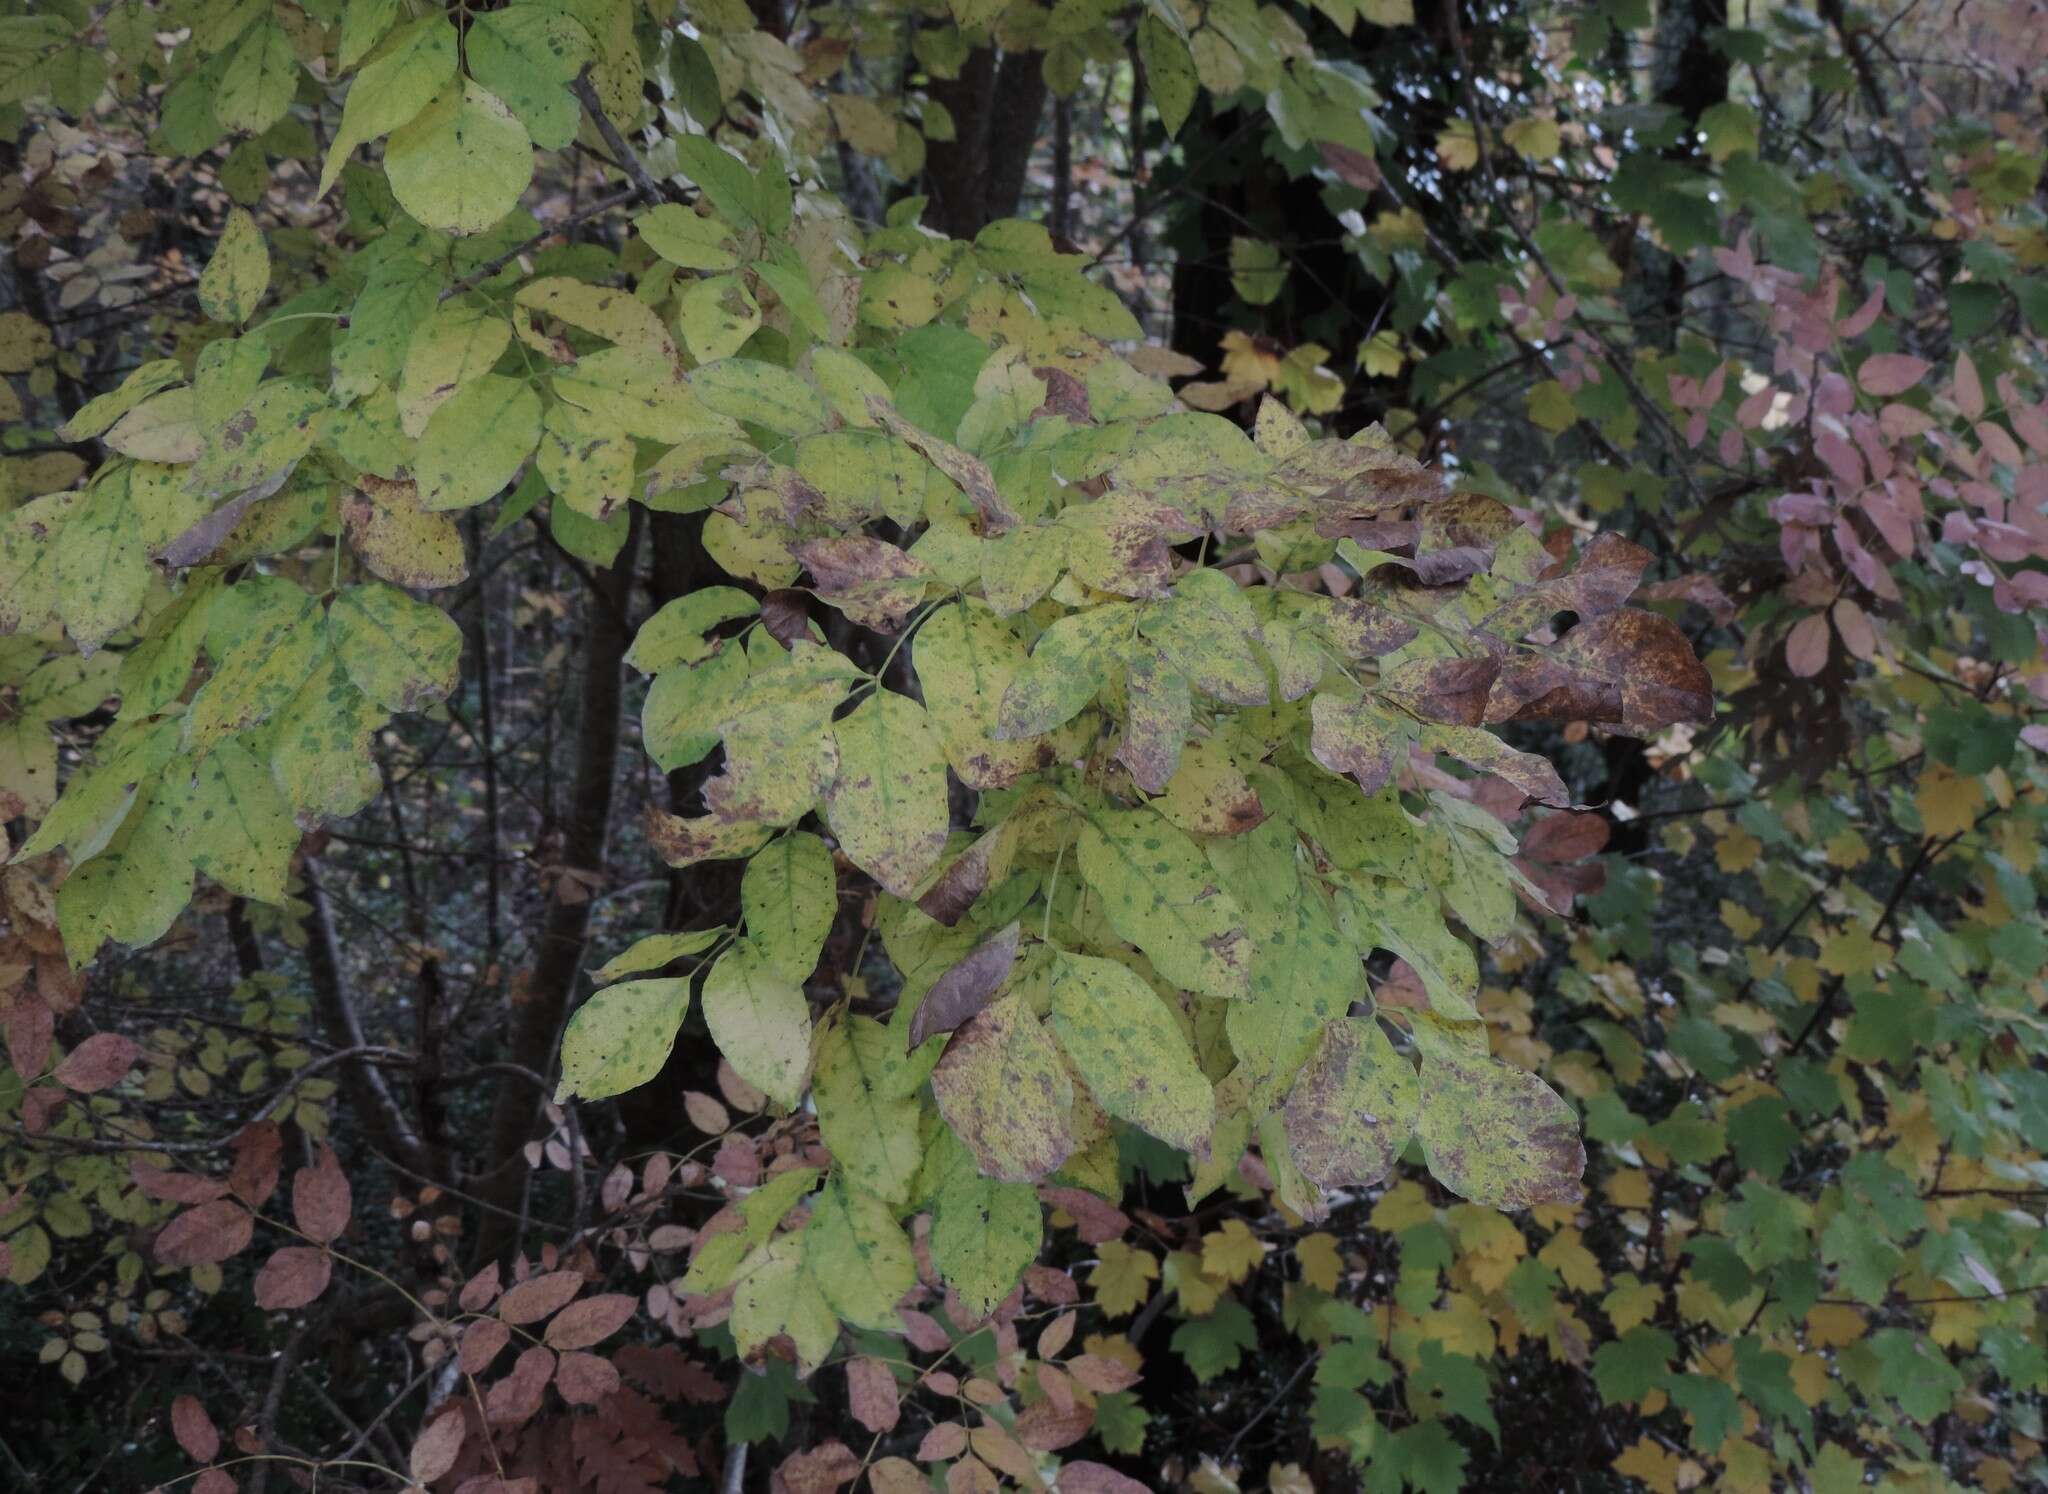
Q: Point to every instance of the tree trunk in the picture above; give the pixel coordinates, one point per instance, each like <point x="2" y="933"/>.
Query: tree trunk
<point x="537" y="1020"/>
<point x="978" y="176"/>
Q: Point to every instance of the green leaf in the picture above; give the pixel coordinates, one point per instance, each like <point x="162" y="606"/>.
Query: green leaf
<point x="256" y="678"/>
<point x="984" y="1231"/>
<point x="691" y="239"/>
<point x="868" y="1114"/>
<point x="1169" y="72"/>
<point x="676" y="634"/>
<point x="1160" y="893"/>
<point x="462" y="163"/>
<point x="235" y="279"/>
<point x="858" y="1255"/>
<point x="1216" y="1344"/>
<point x="777" y="1295"/>
<point x="1068" y="665"/>
<point x="619" y="1039"/>
<point x="237" y="826"/>
<point x="475" y="441"/>
<point x="402" y="77"/>
<point x="716" y="316"/>
<point x="527" y="55"/>
<point x="261" y="77"/>
<point x="888" y="805"/>
<point x="966" y="658"/>
<point x="656" y="950"/>
<point x="761" y="1023"/>
<point x="459" y="345"/>
<point x="401" y="653"/>
<point x="790" y="898"/>
<point x="1130" y="1051"/>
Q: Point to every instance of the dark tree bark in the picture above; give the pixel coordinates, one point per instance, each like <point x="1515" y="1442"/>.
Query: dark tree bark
<point x="537" y="1020"/>
<point x="997" y="104"/>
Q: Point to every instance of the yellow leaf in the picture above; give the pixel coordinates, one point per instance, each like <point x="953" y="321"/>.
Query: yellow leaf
<point x="1461" y="1326"/>
<point x="1534" y="138"/>
<point x="1381" y="356"/>
<point x="1630" y="1189"/>
<point x="1567" y="1255"/>
<point x="1742" y="923"/>
<point x="1233" y="1252"/>
<point x="1632" y="1302"/>
<point x="1197" y="1293"/>
<point x="1737" y="851"/>
<point x="1401" y="1206"/>
<point x="1948" y="804"/>
<point x="1847" y="849"/>
<point x="1457" y="147"/>
<point x="1652" y="1463"/>
<point x="1322" y="1264"/>
<point x="1852" y="952"/>
<point x="1550" y="406"/>
<point x="1114" y="1346"/>
<point x="1120" y="1278"/>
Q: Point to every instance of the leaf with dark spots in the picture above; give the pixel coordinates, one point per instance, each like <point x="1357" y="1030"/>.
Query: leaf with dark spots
<point x="1631" y="670"/>
<point x="967" y="987"/>
<point x="970" y="874"/>
<point x="1003" y="1087"/>
<point x="1353" y="1106"/>
<point x="684" y="842"/>
<point x="1158" y="713"/>
<point x="1453" y="691"/>
<point x="873" y="582"/>
<point x="1448" y="566"/>
<point x="1605" y="577"/>
<point x="204" y="537"/>
<point x="1359" y="629"/>
<point x="1357" y="737"/>
<point x="1532" y="775"/>
<point x="1064" y="395"/>
<point x="1494" y="1134"/>
<point x="969" y="473"/>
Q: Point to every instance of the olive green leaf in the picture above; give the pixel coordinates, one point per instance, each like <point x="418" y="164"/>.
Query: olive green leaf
<point x="695" y="240"/>
<point x="475" y="441"/>
<point x="1131" y="1052"/>
<point x="966" y="658"/>
<point x="261" y="77"/>
<point x="656" y="950"/>
<point x="776" y="1296"/>
<point x="619" y="1038"/>
<point x="984" y="1231"/>
<point x="237" y="826"/>
<point x="402" y="77"/>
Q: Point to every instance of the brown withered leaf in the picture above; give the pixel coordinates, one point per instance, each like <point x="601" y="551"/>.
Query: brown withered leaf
<point x="1631" y="670"/>
<point x="869" y="580"/>
<point x="482" y="1341"/>
<point x="1096" y="1478"/>
<point x="1606" y="576"/>
<point x="514" y="1399"/>
<point x="1353" y="1107"/>
<point x="709" y="837"/>
<point x="1447" y="690"/>
<point x="1356" y="737"/>
<point x="175" y="1187"/>
<point x="205" y="1236"/>
<point x="1698" y="588"/>
<point x="293" y="1276"/>
<point x="1562" y="838"/>
<point x="1359" y="629"/>
<point x="786" y="614"/>
<point x="968" y="987"/>
<point x="969" y="874"/>
<point x="968" y="473"/>
<point x="400" y="541"/>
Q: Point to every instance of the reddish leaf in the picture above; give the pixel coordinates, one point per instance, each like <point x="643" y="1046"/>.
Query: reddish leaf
<point x="538" y="1296"/>
<point x="966" y="988"/>
<point x="1095" y="1219"/>
<point x="28" y="1025"/>
<point x="254" y="1175"/>
<point x="1050" y="1285"/>
<point x="214" y="1481"/>
<point x="482" y="1341"/>
<point x="321" y="1197"/>
<point x="1102" y="1374"/>
<point x="1806" y="646"/>
<point x="1353" y="167"/>
<point x="585" y="1379"/>
<point x="923" y="1331"/>
<point x="97" y="1063"/>
<point x="514" y="1399"/>
<point x="1969" y="389"/>
<point x="1563" y="838"/>
<point x="1096" y="1478"/>
<point x="871" y="1394"/>
<point x="897" y="1476"/>
<point x="206" y="1235"/>
<point x="590" y="1321"/>
<point x="1884" y="374"/>
<point x="292" y="1277"/>
<point x="1048" y="1428"/>
<point x="175" y="1187"/>
<point x="786" y="614"/>
<point x="819" y="1471"/>
<point x="194" y="1429"/>
<point x="480" y="1291"/>
<point x="946" y="1440"/>
<point x="434" y="1453"/>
